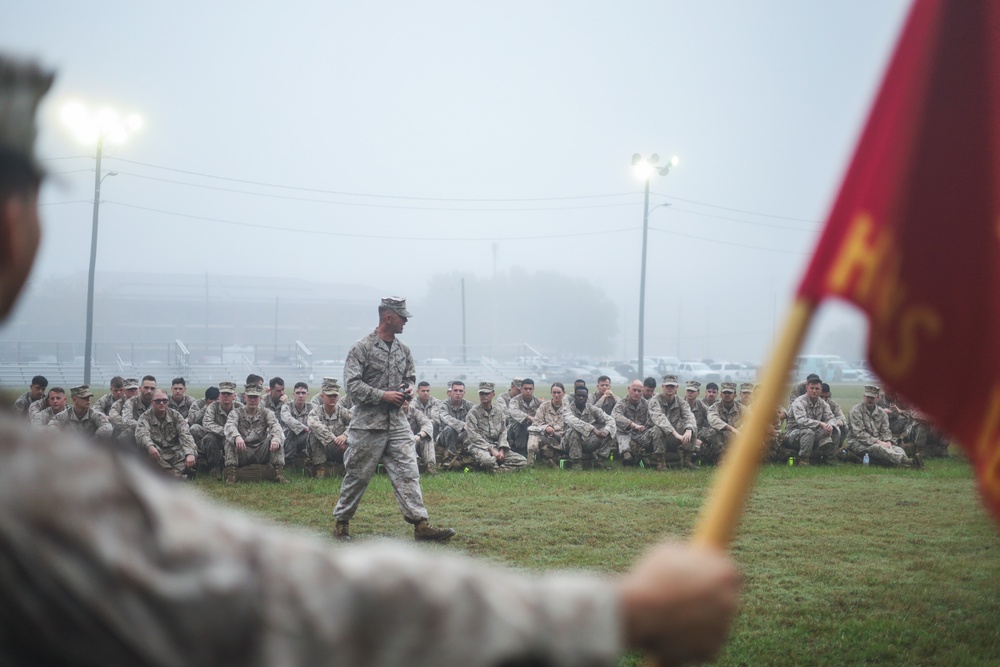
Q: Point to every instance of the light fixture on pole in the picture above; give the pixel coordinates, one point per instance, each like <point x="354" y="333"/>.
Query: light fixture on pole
<point x="645" y="168"/>
<point x="90" y="128"/>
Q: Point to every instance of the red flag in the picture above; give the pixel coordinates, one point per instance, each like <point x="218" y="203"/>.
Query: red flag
<point x="914" y="236"/>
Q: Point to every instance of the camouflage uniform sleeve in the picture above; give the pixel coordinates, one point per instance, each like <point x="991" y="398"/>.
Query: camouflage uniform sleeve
<point x="274" y="428"/>
<point x="502" y="441"/>
<point x="858" y="428"/>
<point x="424" y="424"/>
<point x="184" y="435"/>
<point x="885" y="432"/>
<point x="609" y="423"/>
<point x="37" y="407"/>
<point x="128" y="412"/>
<point x="232" y="428"/>
<point x="115" y="415"/>
<point x="210" y="423"/>
<point x="196" y="414"/>
<point x="714" y="420"/>
<point x="687" y="417"/>
<point x="38" y="418"/>
<point x="143" y="436"/>
<point x="104" y="427"/>
<point x="22" y="404"/>
<point x="838" y="414"/>
<point x="318" y="427"/>
<point x="801" y="417"/>
<point x="571" y="421"/>
<point x="515" y="413"/>
<point x="618" y="414"/>
<point x="366" y="605"/>
<point x="446" y="419"/>
<point x="658" y="417"/>
<point x="357" y="389"/>
<point x="289" y="421"/>
<point x="475" y="437"/>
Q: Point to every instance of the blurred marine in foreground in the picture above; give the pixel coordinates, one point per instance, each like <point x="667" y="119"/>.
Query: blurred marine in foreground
<point x="117" y="566"/>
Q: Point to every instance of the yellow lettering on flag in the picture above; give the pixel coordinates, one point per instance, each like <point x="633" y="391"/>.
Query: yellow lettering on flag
<point x="860" y="253"/>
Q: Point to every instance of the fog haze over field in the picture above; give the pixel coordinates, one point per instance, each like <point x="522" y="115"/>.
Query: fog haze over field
<point x="398" y="146"/>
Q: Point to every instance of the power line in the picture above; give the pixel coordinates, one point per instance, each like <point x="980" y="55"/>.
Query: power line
<point x="75" y="201"/>
<point x="738" y="245"/>
<point x="318" y="232"/>
<point x="389" y="206"/>
<point x="735" y="210"/>
<point x="745" y="222"/>
<point x="363" y="194"/>
<point x="454" y="199"/>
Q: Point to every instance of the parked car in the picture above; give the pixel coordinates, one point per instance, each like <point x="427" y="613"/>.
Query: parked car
<point x="693" y="370"/>
<point x="841" y="371"/>
<point x="728" y="371"/>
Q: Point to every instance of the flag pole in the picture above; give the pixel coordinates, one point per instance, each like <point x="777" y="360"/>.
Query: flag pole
<point x="721" y="511"/>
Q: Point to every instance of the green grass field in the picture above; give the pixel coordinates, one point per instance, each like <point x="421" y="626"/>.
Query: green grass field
<point x="843" y="565"/>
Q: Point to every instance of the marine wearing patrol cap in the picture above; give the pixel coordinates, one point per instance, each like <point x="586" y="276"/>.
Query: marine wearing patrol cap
<point x="330" y="387"/>
<point x="83" y="391"/>
<point x="130" y="383"/>
<point x="728" y="386"/>
<point x="670" y="379"/>
<point x="225" y="387"/>
<point x="871" y="390"/>
<point x="254" y="389"/>
<point x="693" y="385"/>
<point x="485" y="387"/>
<point x="397" y="305"/>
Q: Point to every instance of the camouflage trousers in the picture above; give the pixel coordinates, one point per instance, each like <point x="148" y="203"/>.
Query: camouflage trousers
<point x="517" y="436"/>
<point x="171" y="461"/>
<point x="450" y="439"/>
<point x="394" y="449"/>
<point x="664" y="442"/>
<point x="713" y="444"/>
<point x="483" y="461"/>
<point x="198" y="433"/>
<point x="425" y="451"/>
<point x="631" y="446"/>
<point x="318" y="454"/>
<point x="295" y="444"/>
<point x="926" y="441"/>
<point x="211" y="450"/>
<point x="577" y="445"/>
<point x="812" y="442"/>
<point x="893" y="456"/>
<point x="256" y="452"/>
<point x="550" y="448"/>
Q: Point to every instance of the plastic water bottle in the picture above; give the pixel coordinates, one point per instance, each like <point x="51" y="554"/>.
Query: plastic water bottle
<point x="791" y="461"/>
<point x="867" y="460"/>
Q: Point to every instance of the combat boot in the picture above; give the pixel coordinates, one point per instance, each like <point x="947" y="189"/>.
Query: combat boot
<point x="686" y="462"/>
<point x="425" y="532"/>
<point x="661" y="461"/>
<point x="230" y="474"/>
<point x="279" y="475"/>
<point x="431" y="469"/>
<point x="341" y="532"/>
<point x="320" y="472"/>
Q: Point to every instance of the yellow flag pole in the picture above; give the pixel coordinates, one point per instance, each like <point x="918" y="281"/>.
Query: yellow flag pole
<point x="721" y="512"/>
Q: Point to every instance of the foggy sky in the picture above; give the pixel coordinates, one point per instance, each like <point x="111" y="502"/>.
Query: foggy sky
<point x="381" y="143"/>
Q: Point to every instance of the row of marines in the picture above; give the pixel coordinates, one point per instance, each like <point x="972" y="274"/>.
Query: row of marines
<point x="227" y="432"/>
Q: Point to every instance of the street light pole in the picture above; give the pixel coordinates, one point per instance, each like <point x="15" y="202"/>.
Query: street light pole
<point x="645" y="168"/>
<point x="642" y="279"/>
<point x="91" y="127"/>
<point x="93" y="265"/>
